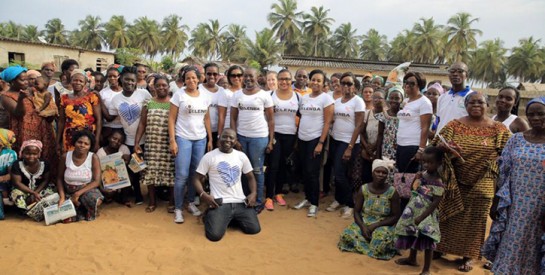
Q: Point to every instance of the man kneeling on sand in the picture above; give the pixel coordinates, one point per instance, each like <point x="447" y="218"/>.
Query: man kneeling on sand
<point x="227" y="202"/>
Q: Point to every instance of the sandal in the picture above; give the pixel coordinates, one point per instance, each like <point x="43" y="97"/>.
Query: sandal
<point x="405" y="261"/>
<point x="150" y="208"/>
<point x="466" y="266"/>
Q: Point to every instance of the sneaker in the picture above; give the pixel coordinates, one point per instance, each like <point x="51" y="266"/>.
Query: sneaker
<point x="312" y="210"/>
<point x="269" y="205"/>
<point x="178" y="217"/>
<point x="193" y="209"/>
<point x="303" y="203"/>
<point x="333" y="206"/>
<point x="197" y="201"/>
<point x="347" y="212"/>
<point x="280" y="200"/>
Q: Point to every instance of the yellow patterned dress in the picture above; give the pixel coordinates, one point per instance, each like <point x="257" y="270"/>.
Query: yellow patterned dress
<point x="470" y="187"/>
<point x="79" y="116"/>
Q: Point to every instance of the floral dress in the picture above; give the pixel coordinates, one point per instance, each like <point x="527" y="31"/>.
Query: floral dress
<point x="375" y="208"/>
<point x="79" y="116"/>
<point x="426" y="234"/>
<point x="390" y="134"/>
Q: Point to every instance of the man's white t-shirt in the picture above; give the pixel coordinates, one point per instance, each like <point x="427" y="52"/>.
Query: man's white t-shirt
<point x="173" y="87"/>
<point x="224" y="173"/>
<point x="251" y="113"/>
<point x="284" y="114"/>
<point x="224" y="100"/>
<point x="107" y="94"/>
<point x="191" y="112"/>
<point x="129" y="110"/>
<point x="408" y="133"/>
<point x="312" y="115"/>
<point x="345" y="118"/>
<point x="214" y="97"/>
<point x="450" y="106"/>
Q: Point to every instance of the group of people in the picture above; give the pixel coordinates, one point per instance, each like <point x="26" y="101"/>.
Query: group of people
<point x="418" y="165"/>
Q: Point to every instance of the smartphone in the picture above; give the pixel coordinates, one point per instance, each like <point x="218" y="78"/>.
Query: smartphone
<point x="219" y="201"/>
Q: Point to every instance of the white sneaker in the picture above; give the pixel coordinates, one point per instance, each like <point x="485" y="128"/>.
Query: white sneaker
<point x="303" y="203"/>
<point x="312" y="210"/>
<point x="197" y="201"/>
<point x="193" y="209"/>
<point x="178" y="217"/>
<point x="333" y="206"/>
<point x="347" y="212"/>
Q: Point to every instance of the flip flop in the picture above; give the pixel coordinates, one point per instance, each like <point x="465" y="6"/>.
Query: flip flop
<point x="150" y="208"/>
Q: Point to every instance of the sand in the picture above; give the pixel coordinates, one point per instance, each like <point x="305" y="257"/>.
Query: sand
<point x="130" y="241"/>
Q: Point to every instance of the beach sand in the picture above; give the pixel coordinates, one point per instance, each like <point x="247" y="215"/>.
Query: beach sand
<point x="130" y="241"/>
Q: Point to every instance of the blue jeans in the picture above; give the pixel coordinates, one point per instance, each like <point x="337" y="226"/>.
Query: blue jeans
<point x="217" y="220"/>
<point x="255" y="148"/>
<point x="189" y="155"/>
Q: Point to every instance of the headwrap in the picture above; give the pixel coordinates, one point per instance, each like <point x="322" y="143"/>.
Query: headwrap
<point x="33" y="73"/>
<point x="79" y="71"/>
<point x="384" y="162"/>
<point x="539" y="100"/>
<point x="378" y="77"/>
<point x="397" y="89"/>
<point x="367" y="75"/>
<point x="118" y="67"/>
<point x="30" y="142"/>
<point x="438" y="87"/>
<point x="7" y="138"/>
<point x="12" y="72"/>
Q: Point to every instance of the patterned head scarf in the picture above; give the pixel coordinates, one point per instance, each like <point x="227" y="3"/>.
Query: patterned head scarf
<point x="396" y="88"/>
<point x="30" y="142"/>
<point x="438" y="87"/>
<point x="12" y="72"/>
<point x="82" y="72"/>
<point x="538" y="100"/>
<point x="384" y="162"/>
<point x="7" y="138"/>
<point x="378" y="77"/>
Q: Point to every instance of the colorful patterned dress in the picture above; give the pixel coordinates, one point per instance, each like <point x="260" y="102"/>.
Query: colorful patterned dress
<point x="469" y="192"/>
<point x="516" y="240"/>
<point x="426" y="234"/>
<point x="79" y="115"/>
<point x="32" y="181"/>
<point x="160" y="171"/>
<point x="390" y="134"/>
<point x="375" y="208"/>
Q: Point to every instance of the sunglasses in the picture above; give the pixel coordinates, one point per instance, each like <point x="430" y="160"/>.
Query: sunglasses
<point x="347" y="84"/>
<point x="410" y="83"/>
<point x="284" y="79"/>
<point x="459" y="71"/>
<point x="212" y="74"/>
<point x="235" y="75"/>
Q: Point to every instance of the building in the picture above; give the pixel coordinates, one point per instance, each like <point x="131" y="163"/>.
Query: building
<point x="33" y="54"/>
<point x="360" y="67"/>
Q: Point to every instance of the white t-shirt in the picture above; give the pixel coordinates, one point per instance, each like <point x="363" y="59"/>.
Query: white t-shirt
<point x="224" y="100"/>
<point x="251" y="109"/>
<point x="450" y="106"/>
<point x="284" y="114"/>
<point x="129" y="110"/>
<point x="173" y="87"/>
<point x="107" y="94"/>
<point x="224" y="174"/>
<point x="123" y="149"/>
<point x="312" y="115"/>
<point x="345" y="118"/>
<point x="408" y="133"/>
<point x="213" y="106"/>
<point x="191" y="112"/>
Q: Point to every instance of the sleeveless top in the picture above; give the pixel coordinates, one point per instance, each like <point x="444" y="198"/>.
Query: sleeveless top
<point x="78" y="175"/>
<point x="507" y="122"/>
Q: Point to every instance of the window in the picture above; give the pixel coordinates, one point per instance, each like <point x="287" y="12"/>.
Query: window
<point x="102" y="64"/>
<point x="59" y="59"/>
<point x="18" y="58"/>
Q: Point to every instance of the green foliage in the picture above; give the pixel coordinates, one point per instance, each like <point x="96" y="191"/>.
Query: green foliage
<point x="128" y="56"/>
<point x="167" y="64"/>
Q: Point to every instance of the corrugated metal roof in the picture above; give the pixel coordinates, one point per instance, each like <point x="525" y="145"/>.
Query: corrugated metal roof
<point x="52" y="45"/>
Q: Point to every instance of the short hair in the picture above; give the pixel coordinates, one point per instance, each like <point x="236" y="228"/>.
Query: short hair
<point x="368" y="86"/>
<point x="66" y="64"/>
<point x="285" y="71"/>
<point x="126" y="70"/>
<point x="420" y="79"/>
<point x="470" y="94"/>
<point x="160" y="76"/>
<point x="515" y="110"/>
<point x="118" y="131"/>
<point x="337" y="75"/>
<point x="97" y="73"/>
<point x="190" y="69"/>
<point x="437" y="153"/>
<point x="230" y="70"/>
<point x="83" y="133"/>
<point x="51" y="63"/>
<point x="211" y="64"/>
<point x="317" y="71"/>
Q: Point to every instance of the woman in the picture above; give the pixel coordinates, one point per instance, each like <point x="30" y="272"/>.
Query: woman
<point x="377" y="82"/>
<point x="234" y="77"/>
<point x="316" y="111"/>
<point x="79" y="111"/>
<point x="154" y="123"/>
<point x="7" y="158"/>
<point x="213" y="91"/>
<point x="432" y="93"/>
<point x="272" y="81"/>
<point x="515" y="243"/>
<point x="370" y="134"/>
<point x="367" y="95"/>
<point x="141" y="74"/>
<point x="80" y="177"/>
<point x="106" y="95"/>
<point x="252" y="118"/>
<point x="470" y="179"/>
<point x="63" y="87"/>
<point x="286" y="108"/>
<point x="48" y="71"/>
<point x="25" y="122"/>
<point x="376" y="213"/>
<point x="414" y="123"/>
<point x="345" y="143"/>
<point x="507" y="105"/>
<point x="388" y="124"/>
<point x="188" y="129"/>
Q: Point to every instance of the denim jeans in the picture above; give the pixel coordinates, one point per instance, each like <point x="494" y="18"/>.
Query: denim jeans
<point x="310" y="168"/>
<point x="190" y="153"/>
<point x="277" y="171"/>
<point x="216" y="220"/>
<point x="255" y="148"/>
<point x="343" y="184"/>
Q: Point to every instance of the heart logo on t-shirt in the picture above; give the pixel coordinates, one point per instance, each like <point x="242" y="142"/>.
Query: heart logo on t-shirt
<point x="130" y="113"/>
<point x="229" y="174"/>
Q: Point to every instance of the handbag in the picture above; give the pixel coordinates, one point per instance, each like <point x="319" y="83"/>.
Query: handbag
<point x="403" y="182"/>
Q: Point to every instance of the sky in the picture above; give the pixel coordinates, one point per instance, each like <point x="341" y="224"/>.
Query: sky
<point x="509" y="20"/>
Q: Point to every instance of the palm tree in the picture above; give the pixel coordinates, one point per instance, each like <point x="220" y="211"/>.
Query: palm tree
<point x="488" y="61"/>
<point x="117" y="34"/>
<point x="173" y="35"/>
<point x="31" y="33"/>
<point x="345" y="41"/>
<point x="265" y="50"/>
<point x="234" y="40"/>
<point x="427" y="40"/>
<point x="145" y="34"/>
<point x="13" y="30"/>
<point x="91" y="33"/>
<point x="374" y="46"/>
<point x="214" y="38"/>
<point x="402" y="47"/>
<point x="527" y="61"/>
<point x="198" y="41"/>
<point x="461" y="37"/>
<point x="317" y="25"/>
<point x="55" y="32"/>
<point x="286" y="21"/>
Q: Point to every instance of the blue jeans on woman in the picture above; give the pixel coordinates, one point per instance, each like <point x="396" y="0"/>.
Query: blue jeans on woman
<point x="190" y="153"/>
<point x="255" y="148"/>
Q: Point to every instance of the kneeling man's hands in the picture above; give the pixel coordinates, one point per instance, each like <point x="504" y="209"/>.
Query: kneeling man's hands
<point x="251" y="199"/>
<point x="208" y="199"/>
